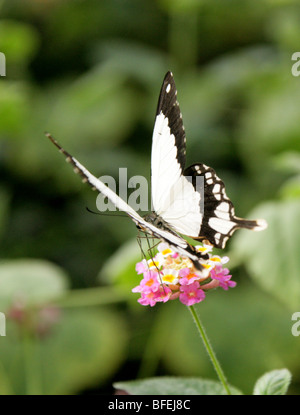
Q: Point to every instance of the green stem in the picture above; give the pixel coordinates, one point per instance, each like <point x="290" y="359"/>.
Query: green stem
<point x="209" y="349"/>
<point x="6" y="387"/>
<point x="91" y="297"/>
<point x="32" y="367"/>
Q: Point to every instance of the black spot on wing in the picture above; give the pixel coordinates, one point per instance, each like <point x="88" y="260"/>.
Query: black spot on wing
<point x="168" y="105"/>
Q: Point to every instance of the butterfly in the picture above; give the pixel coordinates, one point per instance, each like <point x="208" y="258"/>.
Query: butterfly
<point x="180" y="205"/>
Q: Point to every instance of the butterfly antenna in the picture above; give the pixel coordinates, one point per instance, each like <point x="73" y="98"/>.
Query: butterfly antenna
<point x="105" y="214"/>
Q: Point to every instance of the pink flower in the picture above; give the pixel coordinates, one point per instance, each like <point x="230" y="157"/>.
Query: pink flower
<point x="147" y="299"/>
<point x="149" y="283"/>
<point x="222" y="275"/>
<point x="191" y="294"/>
<point x="187" y="276"/>
<point x="141" y="267"/>
<point x="152" y="297"/>
<point x="163" y="294"/>
<point x="184" y="272"/>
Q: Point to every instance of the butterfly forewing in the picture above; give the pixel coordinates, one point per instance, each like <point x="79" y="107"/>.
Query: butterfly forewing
<point x="176" y="242"/>
<point x="173" y="196"/>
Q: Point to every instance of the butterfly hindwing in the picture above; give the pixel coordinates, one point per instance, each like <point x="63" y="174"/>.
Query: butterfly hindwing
<point x="219" y="220"/>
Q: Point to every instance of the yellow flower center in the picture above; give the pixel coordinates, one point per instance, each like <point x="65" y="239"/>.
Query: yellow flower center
<point x="154" y="264"/>
<point x="215" y="259"/>
<point x="206" y="266"/>
<point x="168" y="278"/>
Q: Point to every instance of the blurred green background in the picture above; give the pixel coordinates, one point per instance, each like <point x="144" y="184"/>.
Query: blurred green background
<point x="90" y="72"/>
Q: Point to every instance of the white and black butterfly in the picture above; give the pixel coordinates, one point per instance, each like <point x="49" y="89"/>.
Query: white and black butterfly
<point x="176" y="198"/>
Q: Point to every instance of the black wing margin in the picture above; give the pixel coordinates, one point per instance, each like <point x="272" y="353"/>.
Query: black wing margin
<point x="168" y="105"/>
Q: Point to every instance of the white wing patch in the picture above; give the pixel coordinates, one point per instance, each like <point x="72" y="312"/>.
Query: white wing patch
<point x="222" y="225"/>
<point x="165" y="169"/>
<point x="173" y="196"/>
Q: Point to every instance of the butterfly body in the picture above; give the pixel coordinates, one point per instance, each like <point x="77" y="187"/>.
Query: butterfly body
<point x="157" y="221"/>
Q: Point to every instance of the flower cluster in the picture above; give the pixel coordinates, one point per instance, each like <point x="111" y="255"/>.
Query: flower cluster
<point x="37" y="321"/>
<point x="168" y="276"/>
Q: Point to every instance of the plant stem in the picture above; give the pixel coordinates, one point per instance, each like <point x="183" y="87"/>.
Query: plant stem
<point x="209" y="349"/>
<point x="32" y="367"/>
<point x="91" y="297"/>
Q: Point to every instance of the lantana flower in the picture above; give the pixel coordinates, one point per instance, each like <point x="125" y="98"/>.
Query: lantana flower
<point x="169" y="276"/>
<point x="191" y="294"/>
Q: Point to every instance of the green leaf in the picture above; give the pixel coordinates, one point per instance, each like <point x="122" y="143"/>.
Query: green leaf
<point x="260" y="132"/>
<point x="275" y="382"/>
<point x="120" y="267"/>
<point x="18" y="41"/>
<point x="291" y="188"/>
<point x="89" y="111"/>
<point x="167" y="385"/>
<point x="287" y="161"/>
<point x="272" y="256"/>
<point x="83" y="349"/>
<point x="181" y="6"/>
<point x="14" y="111"/>
<point x="135" y="60"/>
<point x="33" y="281"/>
<point x="5" y="198"/>
<point x="249" y="330"/>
